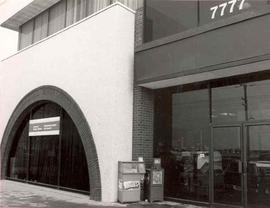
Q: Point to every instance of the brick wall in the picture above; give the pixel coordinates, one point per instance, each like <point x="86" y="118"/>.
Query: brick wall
<point x="143" y="108"/>
<point x="143" y="121"/>
<point x="139" y="19"/>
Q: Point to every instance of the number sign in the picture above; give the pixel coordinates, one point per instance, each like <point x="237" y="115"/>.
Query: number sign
<point x="231" y="5"/>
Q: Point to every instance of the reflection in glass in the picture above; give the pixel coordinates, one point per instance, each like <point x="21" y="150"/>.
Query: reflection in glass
<point x="165" y="18"/>
<point x="259" y="166"/>
<point x="19" y="154"/>
<point x="190" y="120"/>
<point x="185" y="154"/>
<point x="258" y="96"/>
<point x="227" y="165"/>
<point x="41" y="153"/>
<point x="44" y="159"/>
<point x="228" y="104"/>
<point x="73" y="158"/>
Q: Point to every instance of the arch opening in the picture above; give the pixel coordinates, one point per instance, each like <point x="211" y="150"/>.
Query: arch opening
<point x="65" y="160"/>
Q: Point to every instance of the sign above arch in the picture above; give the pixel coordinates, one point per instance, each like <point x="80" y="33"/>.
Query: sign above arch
<point x="44" y="126"/>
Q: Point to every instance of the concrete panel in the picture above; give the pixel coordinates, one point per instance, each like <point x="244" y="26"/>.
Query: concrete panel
<point x="194" y="54"/>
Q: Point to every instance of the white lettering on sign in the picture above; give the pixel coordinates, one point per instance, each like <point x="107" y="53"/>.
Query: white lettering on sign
<point x="44" y="126"/>
<point x="227" y="5"/>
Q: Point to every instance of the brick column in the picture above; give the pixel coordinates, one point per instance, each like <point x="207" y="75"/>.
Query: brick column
<point x="143" y="123"/>
<point x="143" y="107"/>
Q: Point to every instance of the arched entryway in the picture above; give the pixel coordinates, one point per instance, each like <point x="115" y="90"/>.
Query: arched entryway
<point x="52" y="102"/>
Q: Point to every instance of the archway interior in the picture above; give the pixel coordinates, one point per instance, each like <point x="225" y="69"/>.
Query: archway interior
<point x="55" y="160"/>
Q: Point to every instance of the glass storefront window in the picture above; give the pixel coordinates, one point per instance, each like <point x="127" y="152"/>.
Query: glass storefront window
<point x="228" y="104"/>
<point x="61" y="15"/>
<point x="227" y="168"/>
<point x="184" y="151"/>
<point x="190" y="144"/>
<point x="258" y="96"/>
<point x="182" y="139"/>
<point x="190" y="120"/>
<point x="37" y="158"/>
<point x="73" y="158"/>
<point x="164" y="18"/>
<point x="44" y="159"/>
<point x="19" y="154"/>
<point x="258" y="174"/>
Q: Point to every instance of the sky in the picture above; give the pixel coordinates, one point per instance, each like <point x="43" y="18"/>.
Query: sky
<point x="8" y="38"/>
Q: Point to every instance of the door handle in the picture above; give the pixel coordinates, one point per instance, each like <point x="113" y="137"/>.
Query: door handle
<point x="244" y="167"/>
<point x="240" y="166"/>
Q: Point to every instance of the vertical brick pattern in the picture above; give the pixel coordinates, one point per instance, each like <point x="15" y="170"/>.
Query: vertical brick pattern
<point x="143" y="120"/>
<point x="143" y="107"/>
<point x="139" y="21"/>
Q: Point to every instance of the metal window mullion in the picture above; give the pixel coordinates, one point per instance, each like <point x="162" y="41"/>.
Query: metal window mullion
<point x="87" y="12"/>
<point x="49" y="20"/>
<point x="19" y="38"/>
<point x="246" y="102"/>
<point x="245" y="147"/>
<point x="198" y="13"/>
<point x="85" y="9"/>
<point x="210" y="102"/>
<point x="28" y="150"/>
<point x="65" y="21"/>
<point x="211" y="166"/>
<point x="60" y="149"/>
<point x="75" y="8"/>
<point x="33" y="30"/>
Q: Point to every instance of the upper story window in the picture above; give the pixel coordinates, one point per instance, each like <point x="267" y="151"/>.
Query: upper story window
<point x="61" y="15"/>
<point x="26" y="34"/>
<point x="168" y="17"/>
<point x="57" y="15"/>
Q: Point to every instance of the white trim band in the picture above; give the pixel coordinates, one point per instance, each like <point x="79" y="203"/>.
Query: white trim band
<point x="44" y="133"/>
<point x="44" y="120"/>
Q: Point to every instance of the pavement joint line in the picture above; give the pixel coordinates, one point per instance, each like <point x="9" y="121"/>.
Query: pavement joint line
<point x="53" y="194"/>
<point x="14" y="194"/>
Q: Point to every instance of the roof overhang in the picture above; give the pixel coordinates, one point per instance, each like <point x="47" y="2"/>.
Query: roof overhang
<point x="27" y="12"/>
<point x="259" y="66"/>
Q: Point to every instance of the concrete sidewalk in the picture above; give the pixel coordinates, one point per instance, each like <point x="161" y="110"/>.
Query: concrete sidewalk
<point x="15" y="194"/>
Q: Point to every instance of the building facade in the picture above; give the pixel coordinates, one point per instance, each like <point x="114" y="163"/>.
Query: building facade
<point x="185" y="81"/>
<point x="203" y="69"/>
<point x="80" y="74"/>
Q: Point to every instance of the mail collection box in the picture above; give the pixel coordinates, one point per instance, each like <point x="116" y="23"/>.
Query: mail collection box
<point x="130" y="176"/>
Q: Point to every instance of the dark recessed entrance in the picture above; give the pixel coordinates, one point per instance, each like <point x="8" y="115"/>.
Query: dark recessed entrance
<point x="58" y="160"/>
<point x="245" y="160"/>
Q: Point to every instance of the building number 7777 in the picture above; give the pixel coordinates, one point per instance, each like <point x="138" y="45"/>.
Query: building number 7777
<point x="223" y="6"/>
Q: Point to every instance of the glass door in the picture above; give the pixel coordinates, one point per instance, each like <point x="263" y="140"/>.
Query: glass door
<point x="258" y="165"/>
<point x="227" y="163"/>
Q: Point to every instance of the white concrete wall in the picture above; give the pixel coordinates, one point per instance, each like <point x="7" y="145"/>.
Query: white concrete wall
<point x="8" y="42"/>
<point x="93" y="62"/>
